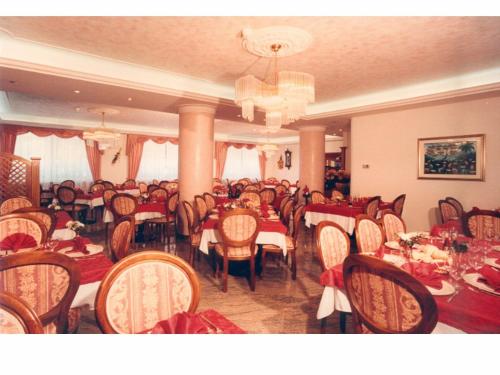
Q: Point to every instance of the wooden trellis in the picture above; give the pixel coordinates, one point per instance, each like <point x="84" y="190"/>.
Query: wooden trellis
<point x="19" y="177"/>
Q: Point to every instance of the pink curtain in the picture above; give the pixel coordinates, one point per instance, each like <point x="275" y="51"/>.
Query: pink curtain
<point x="262" y="165"/>
<point x="94" y="158"/>
<point x="8" y="135"/>
<point x="220" y="158"/>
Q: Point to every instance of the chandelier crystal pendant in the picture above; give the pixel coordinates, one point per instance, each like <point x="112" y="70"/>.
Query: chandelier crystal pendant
<point x="105" y="137"/>
<point x="284" y="96"/>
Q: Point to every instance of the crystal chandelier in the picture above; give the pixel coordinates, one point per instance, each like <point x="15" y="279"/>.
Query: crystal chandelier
<point x="104" y="137"/>
<point x="269" y="149"/>
<point x="283" y="98"/>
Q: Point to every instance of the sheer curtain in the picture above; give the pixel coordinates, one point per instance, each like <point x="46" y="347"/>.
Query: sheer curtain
<point x="62" y="158"/>
<point x="241" y="163"/>
<point x="159" y="160"/>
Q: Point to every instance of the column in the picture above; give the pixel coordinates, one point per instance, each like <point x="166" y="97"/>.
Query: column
<point x="196" y="153"/>
<point x="347" y="144"/>
<point x="312" y="157"/>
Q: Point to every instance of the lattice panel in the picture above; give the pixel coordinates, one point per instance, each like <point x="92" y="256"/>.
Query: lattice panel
<point x="14" y="177"/>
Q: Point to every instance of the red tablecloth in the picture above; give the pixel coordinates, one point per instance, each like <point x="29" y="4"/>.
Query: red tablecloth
<point x="333" y="209"/>
<point x="266" y="225"/>
<point x="222" y="200"/>
<point x="452" y="224"/>
<point x="152" y="207"/>
<point x="62" y="217"/>
<point x="93" y="268"/>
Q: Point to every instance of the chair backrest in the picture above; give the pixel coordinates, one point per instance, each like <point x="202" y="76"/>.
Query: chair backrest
<point x="332" y="244"/>
<point x="262" y="185"/>
<point x="108" y="185"/>
<point x="295" y="196"/>
<point x="123" y="204"/>
<point x="392" y="225"/>
<point x="68" y="183"/>
<point x="281" y="189"/>
<point x="163" y="184"/>
<point x="23" y="223"/>
<point x="45" y="215"/>
<point x="448" y="211"/>
<point x="16" y="316"/>
<point x="210" y="201"/>
<point x="398" y="204"/>
<point x="129" y="184"/>
<point x="267" y="195"/>
<point x="159" y="193"/>
<point x="121" y="237"/>
<point x="297" y="216"/>
<point x="12" y="204"/>
<point x="337" y="195"/>
<point x="152" y="187"/>
<point x="66" y="195"/>
<point x="251" y="196"/>
<point x="386" y="299"/>
<point x="482" y="224"/>
<point x="286" y="183"/>
<point x="172" y="185"/>
<point x="457" y="205"/>
<point x="252" y="187"/>
<point x="46" y="281"/>
<point x="317" y="197"/>
<point x="143" y="187"/>
<point x="244" y="181"/>
<point x="124" y="305"/>
<point x="173" y="200"/>
<point x="369" y="235"/>
<point x="191" y="217"/>
<point x="201" y="206"/>
<point x="238" y="229"/>
<point x="155" y="181"/>
<point x="371" y="206"/>
<point x="286" y="212"/>
<point x="285" y="199"/>
<point x="96" y="187"/>
<point x="107" y="194"/>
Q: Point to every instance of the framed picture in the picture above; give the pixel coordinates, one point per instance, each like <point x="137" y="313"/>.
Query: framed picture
<point x="288" y="158"/>
<point x="451" y="158"/>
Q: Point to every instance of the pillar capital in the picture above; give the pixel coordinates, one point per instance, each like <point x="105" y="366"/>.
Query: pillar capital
<point x="197" y="108"/>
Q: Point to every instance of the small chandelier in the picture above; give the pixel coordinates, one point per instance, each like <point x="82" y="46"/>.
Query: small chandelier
<point x="104" y="137"/>
<point x="269" y="149"/>
<point x="285" y="96"/>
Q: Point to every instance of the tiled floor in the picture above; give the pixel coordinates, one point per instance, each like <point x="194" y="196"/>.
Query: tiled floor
<point x="278" y="305"/>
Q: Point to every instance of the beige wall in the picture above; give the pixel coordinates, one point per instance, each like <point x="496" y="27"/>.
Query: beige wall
<point x="116" y="173"/>
<point x="387" y="142"/>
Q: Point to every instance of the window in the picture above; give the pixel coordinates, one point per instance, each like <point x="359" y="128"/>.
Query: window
<point x="61" y="158"/>
<point x="242" y="163"/>
<point x="159" y="161"/>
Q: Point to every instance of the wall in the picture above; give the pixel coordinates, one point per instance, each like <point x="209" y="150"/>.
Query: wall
<point x="388" y="143"/>
<point x="116" y="173"/>
<point x="292" y="174"/>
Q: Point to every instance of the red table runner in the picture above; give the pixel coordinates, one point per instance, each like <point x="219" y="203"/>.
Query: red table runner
<point x="152" y="207"/>
<point x="333" y="209"/>
<point x="265" y="225"/>
<point x="222" y="200"/>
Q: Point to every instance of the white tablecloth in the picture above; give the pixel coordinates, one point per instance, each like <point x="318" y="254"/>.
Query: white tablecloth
<point x="263" y="238"/>
<point x="346" y="222"/>
<point x="86" y="295"/>
<point x="140" y="216"/>
<point x="92" y="203"/>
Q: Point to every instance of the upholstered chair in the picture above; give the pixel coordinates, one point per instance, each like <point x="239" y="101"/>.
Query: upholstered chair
<point x="17" y="317"/>
<point x="398" y="204"/>
<point x="371" y="207"/>
<point x="68" y="183"/>
<point x="386" y="299"/>
<point x="392" y="225"/>
<point x="286" y="183"/>
<point x="24" y="223"/>
<point x="143" y="289"/>
<point x="448" y="211"/>
<point x="317" y="197"/>
<point x="143" y="187"/>
<point x="267" y="195"/>
<point x="238" y="229"/>
<point x="252" y="196"/>
<point x="483" y="224"/>
<point x="210" y="201"/>
<point x="201" y="206"/>
<point x="121" y="237"/>
<point x="45" y="215"/>
<point x="281" y="189"/>
<point x="457" y="205"/>
<point x="12" y="204"/>
<point x="67" y="196"/>
<point x="369" y="234"/>
<point x="152" y="187"/>
<point x="129" y="184"/>
<point x="96" y="187"/>
<point x="194" y="230"/>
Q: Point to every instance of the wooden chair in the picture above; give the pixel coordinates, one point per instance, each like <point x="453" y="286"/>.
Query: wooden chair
<point x="210" y="201"/>
<point x="96" y="187"/>
<point x="172" y="186"/>
<point x="172" y="287"/>
<point x="238" y="229"/>
<point x="333" y="246"/>
<point x="392" y="225"/>
<point x="369" y="234"/>
<point x="152" y="187"/>
<point x="252" y="196"/>
<point x="123" y="205"/>
<point x="12" y="204"/>
<point x="448" y="211"/>
<point x="337" y="195"/>
<point x="107" y="195"/>
<point x="194" y="230"/>
<point x="68" y="183"/>
<point x="286" y="213"/>
<point x="458" y="206"/>
<point x="163" y="223"/>
<point x="291" y="243"/>
<point x="281" y="189"/>
<point x="317" y="197"/>
<point x="67" y="196"/>
<point x="482" y="224"/>
<point x="172" y="204"/>
<point x="129" y="184"/>
<point x="252" y="187"/>
<point x="371" y="207"/>
<point x="267" y="195"/>
<point x="398" y="204"/>
<point x="284" y="200"/>
<point x="286" y="183"/>
<point x="244" y="181"/>
<point x="17" y="317"/>
<point x="143" y="187"/>
<point x="201" y="206"/>
<point x="108" y="185"/>
<point x="121" y="238"/>
<point x="296" y="196"/>
<point x="386" y="299"/>
<point x="156" y="181"/>
<point x="45" y="215"/>
<point x="23" y="223"/>
<point x="46" y="281"/>
<point x="159" y="194"/>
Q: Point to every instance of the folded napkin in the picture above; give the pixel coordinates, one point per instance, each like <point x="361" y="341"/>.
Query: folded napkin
<point x="93" y="268"/>
<point x="424" y="273"/>
<point x="491" y="277"/>
<point x="333" y="276"/>
<point x="17" y="241"/>
<point x="181" y="323"/>
<point x="79" y="245"/>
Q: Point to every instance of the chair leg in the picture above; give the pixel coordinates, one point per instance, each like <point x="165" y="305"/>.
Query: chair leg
<point x="191" y="256"/>
<point x="226" y="271"/>
<point x="252" y="275"/>
<point x="294" y="266"/>
<point x="106" y="234"/>
<point x="263" y="262"/>
<point x="323" y="325"/>
<point x="342" y="321"/>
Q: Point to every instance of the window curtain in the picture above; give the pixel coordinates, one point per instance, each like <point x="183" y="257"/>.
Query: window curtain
<point x="220" y="158"/>
<point x="94" y="158"/>
<point x="8" y="136"/>
<point x="135" y="146"/>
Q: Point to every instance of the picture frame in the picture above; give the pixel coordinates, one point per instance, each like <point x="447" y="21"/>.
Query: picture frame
<point x="452" y="158"/>
<point x="288" y="158"/>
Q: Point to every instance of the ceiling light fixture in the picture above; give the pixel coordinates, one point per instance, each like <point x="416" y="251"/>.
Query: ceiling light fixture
<point x="269" y="149"/>
<point x="285" y="94"/>
<point x="76" y="91"/>
<point x="104" y="137"/>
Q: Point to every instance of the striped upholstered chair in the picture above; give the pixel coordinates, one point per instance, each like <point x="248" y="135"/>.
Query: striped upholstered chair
<point x="392" y="225"/>
<point x="267" y="195"/>
<point x="252" y="196"/>
<point x="23" y="223"/>
<point x="12" y="204"/>
<point x="369" y="234"/>
<point x="16" y="316"/>
<point x="124" y="305"/>
<point x="45" y="215"/>
<point x="448" y="211"/>
<point x="483" y="224"/>
<point x="371" y="207"/>
<point x="317" y="197"/>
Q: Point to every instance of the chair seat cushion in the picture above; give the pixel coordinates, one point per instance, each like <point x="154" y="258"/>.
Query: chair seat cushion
<point x="234" y="252"/>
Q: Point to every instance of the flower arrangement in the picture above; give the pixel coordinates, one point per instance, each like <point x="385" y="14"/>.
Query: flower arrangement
<point x="54" y="205"/>
<point x="408" y="240"/>
<point x="75" y="226"/>
<point x="306" y="192"/>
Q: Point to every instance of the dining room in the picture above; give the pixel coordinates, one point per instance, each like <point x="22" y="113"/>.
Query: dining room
<point x="317" y="175"/>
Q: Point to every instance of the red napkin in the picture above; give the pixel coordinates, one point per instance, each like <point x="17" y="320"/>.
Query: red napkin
<point x="333" y="276"/>
<point x="181" y="323"/>
<point x="424" y="272"/>
<point x="79" y="245"/>
<point x="264" y="210"/>
<point x="17" y="241"/>
<point x="491" y="277"/>
<point x="93" y="268"/>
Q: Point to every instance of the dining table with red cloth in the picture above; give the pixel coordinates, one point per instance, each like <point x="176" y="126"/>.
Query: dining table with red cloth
<point x="456" y="225"/>
<point x="219" y="201"/>
<point x="60" y="231"/>
<point x="470" y="311"/>
<point x="277" y="201"/>
<point x="204" y="322"/>
<point x="145" y="211"/>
